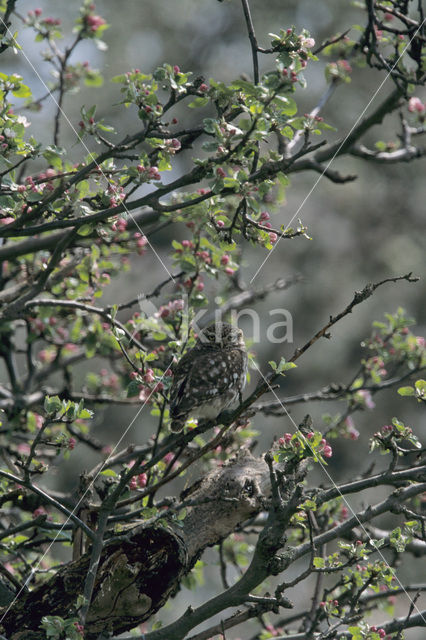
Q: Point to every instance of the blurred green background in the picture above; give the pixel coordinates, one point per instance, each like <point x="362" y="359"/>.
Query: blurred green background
<point x="361" y="232"/>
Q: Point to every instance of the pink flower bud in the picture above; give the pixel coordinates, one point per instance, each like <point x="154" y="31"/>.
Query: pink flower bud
<point x="327" y="451"/>
<point x="142" y="479"/>
<point x="149" y="376"/>
<point x="415" y="104"/>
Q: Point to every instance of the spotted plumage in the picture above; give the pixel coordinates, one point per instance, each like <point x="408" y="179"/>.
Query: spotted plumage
<point x="210" y="376"/>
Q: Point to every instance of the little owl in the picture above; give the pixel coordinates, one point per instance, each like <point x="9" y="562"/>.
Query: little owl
<point x="210" y="376"/>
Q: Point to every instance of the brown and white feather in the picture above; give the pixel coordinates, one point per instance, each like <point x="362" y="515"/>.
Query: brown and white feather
<point x="210" y="376"/>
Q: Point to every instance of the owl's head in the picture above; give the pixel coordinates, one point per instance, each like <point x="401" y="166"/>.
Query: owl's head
<point x="221" y="334"/>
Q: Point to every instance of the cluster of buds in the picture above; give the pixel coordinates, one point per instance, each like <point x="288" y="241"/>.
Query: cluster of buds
<point x="297" y="443"/>
<point x="380" y="631"/>
<point x="391" y="431"/>
<point x="93" y="25"/>
<point x="35" y="188"/>
<point x="116" y="195"/>
<point x="141" y="242"/>
<point x="93" y="22"/>
<point x="292" y="75"/>
<point x="138" y="482"/>
<point x="171" y="309"/>
<point x="339" y="70"/>
<point x="34" y="19"/>
<point x="149" y="173"/>
<point x="172" y="145"/>
<point x="39" y="186"/>
<point x="119" y="225"/>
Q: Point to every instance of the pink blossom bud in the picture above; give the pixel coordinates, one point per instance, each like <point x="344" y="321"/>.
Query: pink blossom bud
<point x="328" y="451"/>
<point x="149" y="376"/>
<point x="415" y="104"/>
<point x="142" y="479"/>
<point x="308" y="43"/>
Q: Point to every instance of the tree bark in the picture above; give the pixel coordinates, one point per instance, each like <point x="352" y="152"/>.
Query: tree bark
<point x="137" y="574"/>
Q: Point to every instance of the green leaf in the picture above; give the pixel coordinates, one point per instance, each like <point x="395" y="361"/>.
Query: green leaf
<point x="319" y="563"/>
<point x="52" y="404"/>
<point x="93" y="79"/>
<point x="22" y="92"/>
<point x="110" y="473"/>
<point x="210" y="125"/>
<point x="85" y="414"/>
<point x="132" y="389"/>
<point x="85" y="229"/>
<point x="406" y="391"/>
<point x="282" y="366"/>
<point x="199" y="102"/>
